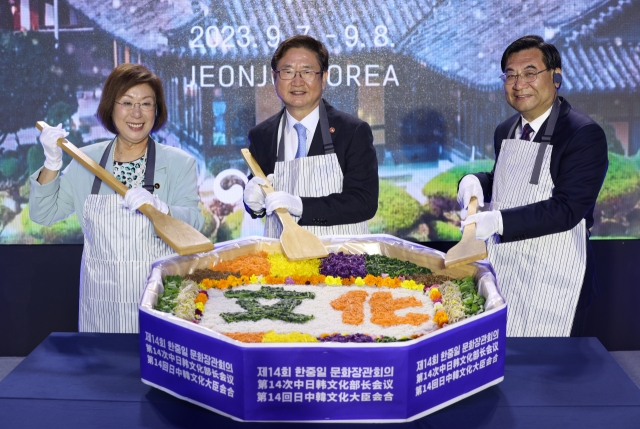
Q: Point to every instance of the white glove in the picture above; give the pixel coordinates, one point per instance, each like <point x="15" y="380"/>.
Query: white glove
<point x="469" y="187"/>
<point x="253" y="194"/>
<point x="487" y="223"/>
<point x="52" y="153"/>
<point x="136" y="197"/>
<point x="278" y="199"/>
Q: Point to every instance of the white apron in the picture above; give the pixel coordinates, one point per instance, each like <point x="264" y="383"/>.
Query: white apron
<point x="540" y="278"/>
<point x="119" y="247"/>
<point x="311" y="176"/>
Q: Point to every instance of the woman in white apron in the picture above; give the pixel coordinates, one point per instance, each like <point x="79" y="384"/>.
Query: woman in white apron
<point x="119" y="246"/>
<point x="119" y="241"/>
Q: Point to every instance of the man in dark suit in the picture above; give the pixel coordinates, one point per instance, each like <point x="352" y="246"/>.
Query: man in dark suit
<point x="321" y="161"/>
<point x="551" y="161"/>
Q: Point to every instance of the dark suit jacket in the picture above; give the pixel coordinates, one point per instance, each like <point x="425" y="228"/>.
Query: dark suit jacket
<point x="578" y="167"/>
<point x="353" y="143"/>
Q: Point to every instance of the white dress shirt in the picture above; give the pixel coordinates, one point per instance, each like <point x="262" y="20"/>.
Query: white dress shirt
<point x="535" y="124"/>
<point x="310" y="122"/>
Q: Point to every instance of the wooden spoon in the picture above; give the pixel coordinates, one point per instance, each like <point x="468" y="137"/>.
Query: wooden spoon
<point x="297" y="243"/>
<point x="182" y="237"/>
<point x="469" y="249"/>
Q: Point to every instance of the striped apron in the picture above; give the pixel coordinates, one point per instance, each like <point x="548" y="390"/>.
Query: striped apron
<point x="311" y="176"/>
<point x="540" y="278"/>
<point x="119" y="247"/>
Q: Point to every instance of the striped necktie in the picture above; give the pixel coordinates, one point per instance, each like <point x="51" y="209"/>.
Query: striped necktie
<point x="302" y="140"/>
<point x="526" y="132"/>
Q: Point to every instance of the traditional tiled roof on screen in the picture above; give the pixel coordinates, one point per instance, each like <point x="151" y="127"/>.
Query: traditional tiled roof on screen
<point x="140" y="24"/>
<point x="462" y="40"/>
<point x="601" y="67"/>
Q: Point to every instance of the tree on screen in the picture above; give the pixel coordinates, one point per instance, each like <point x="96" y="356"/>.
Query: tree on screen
<point x="37" y="84"/>
<point x="34" y="75"/>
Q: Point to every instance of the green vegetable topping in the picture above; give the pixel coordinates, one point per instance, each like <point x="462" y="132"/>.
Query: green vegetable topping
<point x="167" y="301"/>
<point x="473" y="302"/>
<point x="282" y="310"/>
<point x="377" y="265"/>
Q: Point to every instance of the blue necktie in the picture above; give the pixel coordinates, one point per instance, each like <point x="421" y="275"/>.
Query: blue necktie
<point x="302" y="140"/>
<point x="526" y="132"/>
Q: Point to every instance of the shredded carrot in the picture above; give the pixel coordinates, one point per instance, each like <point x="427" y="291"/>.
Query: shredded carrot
<point x="245" y="337"/>
<point x="383" y="307"/>
<point x="352" y="306"/>
<point x="254" y="263"/>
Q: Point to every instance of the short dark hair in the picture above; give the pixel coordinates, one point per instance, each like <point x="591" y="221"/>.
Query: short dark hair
<point x="120" y="80"/>
<point x="550" y="55"/>
<point x="305" y="42"/>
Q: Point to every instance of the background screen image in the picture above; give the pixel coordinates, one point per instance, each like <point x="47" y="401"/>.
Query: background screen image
<point x="423" y="74"/>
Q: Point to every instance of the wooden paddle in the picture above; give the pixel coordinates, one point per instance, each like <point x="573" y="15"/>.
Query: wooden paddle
<point x="297" y="243"/>
<point x="182" y="237"/>
<point x="469" y="249"/>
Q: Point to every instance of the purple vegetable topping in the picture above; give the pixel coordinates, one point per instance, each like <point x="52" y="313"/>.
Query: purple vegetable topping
<point x="353" y="338"/>
<point x="343" y="265"/>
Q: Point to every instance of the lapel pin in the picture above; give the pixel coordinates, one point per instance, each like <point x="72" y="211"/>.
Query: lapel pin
<point x="332" y="130"/>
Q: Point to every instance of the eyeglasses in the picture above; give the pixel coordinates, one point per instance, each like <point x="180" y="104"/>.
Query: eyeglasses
<point x="147" y="106"/>
<point x="526" y="76"/>
<point x="289" y="74"/>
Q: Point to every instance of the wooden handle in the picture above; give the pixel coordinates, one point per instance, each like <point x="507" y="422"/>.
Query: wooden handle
<point x="473" y="206"/>
<point x="297" y="243"/>
<point x="469" y="231"/>
<point x="89" y="163"/>
<point x="283" y="214"/>
<point x="469" y="249"/>
<point x="182" y="237"/>
<point x="256" y="170"/>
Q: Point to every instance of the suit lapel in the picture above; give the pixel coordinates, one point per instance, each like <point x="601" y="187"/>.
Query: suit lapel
<point x="317" y="144"/>
<point x="316" y="148"/>
<point x="564" y="110"/>
<point x="272" y="130"/>
<point x="538" y="137"/>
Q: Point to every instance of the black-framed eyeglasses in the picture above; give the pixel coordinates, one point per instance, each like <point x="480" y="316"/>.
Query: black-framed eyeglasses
<point x="289" y="74"/>
<point x="527" y="76"/>
<point x="146" y="106"/>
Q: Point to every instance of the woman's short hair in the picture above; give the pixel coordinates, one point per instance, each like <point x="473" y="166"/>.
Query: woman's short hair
<point x="305" y="42"/>
<point x="120" y="80"/>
